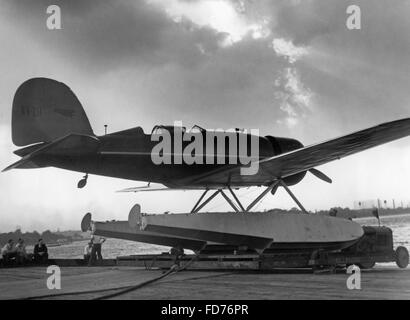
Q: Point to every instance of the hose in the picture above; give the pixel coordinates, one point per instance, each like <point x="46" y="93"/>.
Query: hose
<point x="173" y="270"/>
<point x="123" y="289"/>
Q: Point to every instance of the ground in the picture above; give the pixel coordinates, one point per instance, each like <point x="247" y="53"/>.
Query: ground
<point x="382" y="282"/>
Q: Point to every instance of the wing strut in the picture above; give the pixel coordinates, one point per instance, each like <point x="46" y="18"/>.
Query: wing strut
<point x="229" y="201"/>
<point x="236" y="199"/>
<point x="199" y="201"/>
<point x="262" y="195"/>
<point x="198" y="207"/>
<point x="271" y="188"/>
<point x="292" y="196"/>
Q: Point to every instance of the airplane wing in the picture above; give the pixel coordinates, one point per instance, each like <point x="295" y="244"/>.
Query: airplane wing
<point x="303" y="159"/>
<point x="163" y="188"/>
<point x="146" y="189"/>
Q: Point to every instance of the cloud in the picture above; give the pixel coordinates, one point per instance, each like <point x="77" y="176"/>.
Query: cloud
<point x="169" y="57"/>
<point x="221" y="16"/>
<point x="191" y="42"/>
<point x="287" y="49"/>
<point x="110" y="35"/>
<point x="294" y="98"/>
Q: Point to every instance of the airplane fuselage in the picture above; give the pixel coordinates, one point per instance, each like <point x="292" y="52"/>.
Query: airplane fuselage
<point x="128" y="155"/>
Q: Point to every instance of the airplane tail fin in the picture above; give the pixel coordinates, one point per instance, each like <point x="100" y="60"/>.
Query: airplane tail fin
<point x="44" y="110"/>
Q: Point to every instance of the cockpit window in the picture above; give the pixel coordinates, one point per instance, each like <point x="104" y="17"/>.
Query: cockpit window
<point x="159" y="129"/>
<point x="197" y="128"/>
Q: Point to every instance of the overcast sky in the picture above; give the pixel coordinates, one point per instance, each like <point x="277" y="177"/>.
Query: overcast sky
<point x="287" y="68"/>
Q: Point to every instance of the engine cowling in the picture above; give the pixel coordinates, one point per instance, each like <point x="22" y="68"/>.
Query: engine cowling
<point x="283" y="145"/>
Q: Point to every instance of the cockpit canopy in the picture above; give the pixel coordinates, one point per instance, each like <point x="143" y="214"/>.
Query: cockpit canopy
<point x="158" y="129"/>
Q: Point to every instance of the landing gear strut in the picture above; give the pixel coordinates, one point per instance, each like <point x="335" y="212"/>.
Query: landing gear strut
<point x="237" y="205"/>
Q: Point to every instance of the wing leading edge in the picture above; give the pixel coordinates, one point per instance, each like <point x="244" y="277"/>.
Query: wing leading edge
<point x="303" y="159"/>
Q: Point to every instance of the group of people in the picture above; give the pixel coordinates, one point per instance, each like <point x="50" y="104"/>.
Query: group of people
<point x="92" y="250"/>
<point x="17" y="252"/>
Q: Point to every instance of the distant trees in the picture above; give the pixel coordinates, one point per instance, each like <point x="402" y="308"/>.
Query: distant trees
<point x="361" y="213"/>
<point x="31" y="238"/>
<point x="346" y="212"/>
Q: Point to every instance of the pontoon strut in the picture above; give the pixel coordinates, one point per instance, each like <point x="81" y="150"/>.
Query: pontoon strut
<point x="237" y="206"/>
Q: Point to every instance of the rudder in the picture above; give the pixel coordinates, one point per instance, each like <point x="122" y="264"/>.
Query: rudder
<point x="44" y="110"/>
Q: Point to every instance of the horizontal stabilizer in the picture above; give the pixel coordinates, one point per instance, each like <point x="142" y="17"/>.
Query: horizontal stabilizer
<point x="72" y="144"/>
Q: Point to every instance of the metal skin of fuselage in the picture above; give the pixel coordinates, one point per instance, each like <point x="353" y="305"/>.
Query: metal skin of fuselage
<point x="127" y="155"/>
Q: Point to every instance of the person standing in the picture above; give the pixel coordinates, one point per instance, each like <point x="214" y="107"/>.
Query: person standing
<point x="178" y="253"/>
<point x="87" y="251"/>
<point x="40" y="252"/>
<point x="96" y="249"/>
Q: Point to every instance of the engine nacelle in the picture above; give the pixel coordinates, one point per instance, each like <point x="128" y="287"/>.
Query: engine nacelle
<point x="283" y="145"/>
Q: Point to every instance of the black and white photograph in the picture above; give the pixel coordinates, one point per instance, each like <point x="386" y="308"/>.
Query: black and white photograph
<point x="204" y="154"/>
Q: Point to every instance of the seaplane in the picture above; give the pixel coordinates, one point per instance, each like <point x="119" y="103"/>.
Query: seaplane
<point x="52" y="129"/>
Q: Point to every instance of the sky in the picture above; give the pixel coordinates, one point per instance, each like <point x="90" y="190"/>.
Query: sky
<point x="288" y="68"/>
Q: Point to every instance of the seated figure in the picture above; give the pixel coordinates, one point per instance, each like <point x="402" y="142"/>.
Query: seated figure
<point x="40" y="252"/>
<point x="8" y="252"/>
<point x="21" y="253"/>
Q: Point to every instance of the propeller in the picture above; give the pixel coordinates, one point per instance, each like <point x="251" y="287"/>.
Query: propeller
<point x="320" y="175"/>
<point x="315" y="172"/>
